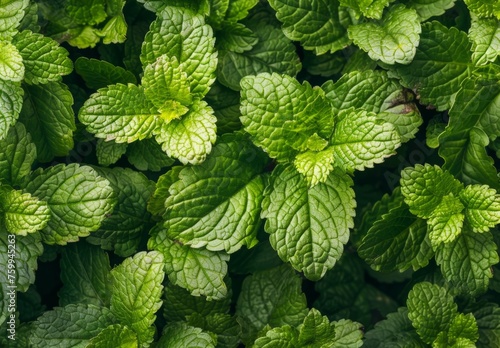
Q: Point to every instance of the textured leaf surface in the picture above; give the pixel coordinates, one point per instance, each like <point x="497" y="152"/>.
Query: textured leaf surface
<point x="78" y="199"/>
<point x="235" y="37"/>
<point x="367" y="8"/>
<point x="309" y="226"/>
<point x="136" y="292"/>
<point x="100" y="73"/>
<point x="182" y="335"/>
<point x="11" y="62"/>
<point x="147" y="155"/>
<point x="109" y="152"/>
<point x="488" y="322"/>
<point x="117" y="336"/>
<point x="482" y="207"/>
<point x="12" y="14"/>
<point x="225" y="326"/>
<point x="284" y="336"/>
<point x="394" y="40"/>
<point x="315" y="166"/>
<point x="430" y="8"/>
<point x="446" y="221"/>
<point x="11" y="97"/>
<point x="484" y="8"/>
<point x="485" y="36"/>
<point x="17" y="155"/>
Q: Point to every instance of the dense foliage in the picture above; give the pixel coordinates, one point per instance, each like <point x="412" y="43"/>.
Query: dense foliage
<point x="220" y="173"/>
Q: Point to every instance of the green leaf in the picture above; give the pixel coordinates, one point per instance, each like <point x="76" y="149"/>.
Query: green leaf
<point x="238" y="9"/>
<point x="225" y="326"/>
<point x="99" y="73"/>
<point x="13" y="12"/>
<point x="190" y="138"/>
<point x="466" y="262"/>
<point x="272" y="297"/>
<point x="483" y="8"/>
<point x="178" y="335"/>
<point x="367" y="8"/>
<point x="446" y="221"/>
<point x="282" y="115"/>
<point x="393" y="40"/>
<point x="199" y="271"/>
<point x="78" y="199"/>
<point x="17" y="155"/>
<point x="119" y="112"/>
<point x="430" y="309"/>
<point x="360" y="140"/>
<point x="126" y="227"/>
<point x="440" y="65"/>
<point x="283" y="337"/>
<point x="488" y="322"/>
<point x="235" y="37"/>
<point x="48" y="116"/>
<point x="22" y="213"/>
<point x="394" y="241"/>
<point x="227" y="191"/>
<point x="272" y="53"/>
<point x="185" y="36"/>
<point x="11" y="95"/>
<point x="136" y="292"/>
<point x="115" y="30"/>
<point x="226" y="105"/>
<point x="84" y="274"/>
<point x="482" y="207"/>
<point x="11" y="62"/>
<point x="485" y="36"/>
<point x="147" y="155"/>
<point x="348" y="334"/>
<point x="92" y="12"/>
<point x="44" y="60"/>
<point x="117" y="336"/>
<point x="309" y="226"/>
<point x="109" y="152"/>
<point x="463" y="326"/>
<point x="424" y="187"/>
<point x="71" y="326"/>
<point x="327" y="64"/>
<point x="315" y="166"/>
<point x="430" y="8"/>
<point x="156" y="203"/>
<point x="318" y="26"/>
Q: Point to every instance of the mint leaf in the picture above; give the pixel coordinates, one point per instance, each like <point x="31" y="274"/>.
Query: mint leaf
<point x="225" y="219"/>
<point x="190" y="138"/>
<point x="92" y="12"/>
<point x="483" y="8"/>
<point x="317" y="26"/>
<point x="182" y="335"/>
<point x="147" y="155"/>
<point x="99" y="73"/>
<point x="156" y="203"/>
<point x="235" y="37"/>
<point x="48" y="116"/>
<point x="367" y="8"/>
<point x="13" y="12"/>
<point x="360" y="140"/>
<point x="116" y="335"/>
<point x="11" y="95"/>
<point x="11" y="62"/>
<point x="44" y="60"/>
<point x="311" y="229"/>
<point x="488" y="322"/>
<point x="272" y="53"/>
<point x="84" y="273"/>
<point x="482" y="207"/>
<point x="226" y="105"/>
<point x="17" y="155"/>
<point x="466" y="261"/>
<point x="238" y="9"/>
<point x="115" y="30"/>
<point x="282" y="115"/>
<point x="315" y="166"/>
<point x="485" y="36"/>
<point x="440" y="65"/>
<point x="71" y="326"/>
<point x="136" y="291"/>
<point x="109" y="152"/>
<point x="226" y="327"/>
<point x="119" y="112"/>
<point x="22" y="213"/>
<point x="199" y="271"/>
<point x="394" y="40"/>
<point x="78" y="199"/>
<point x="430" y="8"/>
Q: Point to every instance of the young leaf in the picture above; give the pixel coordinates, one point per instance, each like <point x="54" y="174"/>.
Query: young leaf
<point x="483" y="8"/>
<point x="117" y="336"/>
<point x="309" y="226"/>
<point x="485" y="36"/>
<point x="238" y="9"/>
<point x="108" y="152"/>
<point x="430" y="8"/>
<point x="482" y="207"/>
<point x="99" y="73"/>
<point x="78" y="199"/>
<point x="13" y="12"/>
<point x="147" y="155"/>
<point x="11" y="63"/>
<point x="318" y="26"/>
<point x="44" y="60"/>
<point x="284" y="336"/>
<point x="136" y="291"/>
<point x="367" y="8"/>
<point x="11" y="95"/>
<point x="17" y="155"/>
<point x="182" y="335"/>
<point x="394" y="40"/>
<point x="48" y="116"/>
<point x="315" y="166"/>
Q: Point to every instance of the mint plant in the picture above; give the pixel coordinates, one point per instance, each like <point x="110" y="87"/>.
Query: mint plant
<point x="216" y="173"/>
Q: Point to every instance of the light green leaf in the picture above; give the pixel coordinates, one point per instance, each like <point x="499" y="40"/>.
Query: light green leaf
<point x="44" y="60"/>
<point x="147" y="155"/>
<point x="190" y="138"/>
<point x="424" y="187"/>
<point x="440" y="65"/>
<point x="367" y="8"/>
<point x="12" y="14"/>
<point x="484" y="8"/>
<point x="17" y="155"/>
<point x="11" y="62"/>
<point x="90" y="12"/>
<point x="446" y="221"/>
<point x="71" y="326"/>
<point x="238" y="9"/>
<point x="272" y="53"/>
<point x="109" y="152"/>
<point x="126" y="227"/>
<point x="348" y="334"/>
<point x="485" y="36"/>
<point x="394" y="40"/>
<point x="272" y="297"/>
<point x="227" y="190"/>
<point x="488" y="322"/>
<point x="115" y="30"/>
<point x="78" y="199"/>
<point x="463" y="326"/>
<point x="185" y="36"/>
<point x="22" y="213"/>
<point x="84" y="274"/>
<point x="235" y="37"/>
<point x="116" y="336"/>
<point x="136" y="292"/>
<point x="309" y="226"/>
<point x="199" y="271"/>
<point x="315" y="166"/>
<point x="99" y="73"/>
<point x="48" y="116"/>
<point x="120" y="113"/>
<point x="318" y="26"/>
<point x="360" y="140"/>
<point x="179" y="335"/>
<point x="283" y="337"/>
<point x="466" y="262"/>
<point x="482" y="205"/>
<point x="11" y="96"/>
<point x="430" y="309"/>
<point x="282" y="115"/>
<point x="430" y="8"/>
<point x="84" y="37"/>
